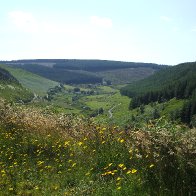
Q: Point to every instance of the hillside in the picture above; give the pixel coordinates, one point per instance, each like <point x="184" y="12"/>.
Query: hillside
<point x="11" y="89"/>
<point x="173" y="82"/>
<point x="87" y="71"/>
<point x="5" y="76"/>
<point x="176" y="81"/>
<point x="35" y="83"/>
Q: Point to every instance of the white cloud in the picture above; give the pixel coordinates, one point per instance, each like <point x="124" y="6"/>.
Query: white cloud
<point x="165" y="18"/>
<point x="101" y="21"/>
<point x="23" y="20"/>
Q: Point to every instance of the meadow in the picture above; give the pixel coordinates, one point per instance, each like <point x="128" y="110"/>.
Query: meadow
<point x="47" y="153"/>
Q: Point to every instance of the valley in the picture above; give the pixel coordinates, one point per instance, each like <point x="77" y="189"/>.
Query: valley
<point x="97" y="135"/>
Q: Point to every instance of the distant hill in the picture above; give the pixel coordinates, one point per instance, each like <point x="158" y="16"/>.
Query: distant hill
<point x="87" y="71"/>
<point x="11" y="89"/>
<point x="35" y="83"/>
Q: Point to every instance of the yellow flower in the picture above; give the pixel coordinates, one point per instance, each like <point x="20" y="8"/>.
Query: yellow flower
<point x="119" y="178"/>
<point x="66" y="143"/>
<point x="36" y="187"/>
<point x="121" y="165"/>
<point x="109" y="172"/>
<point x="56" y="187"/>
<point x="133" y="171"/>
<point x="80" y="143"/>
<point x="40" y="162"/>
<point x="130" y="151"/>
<point x="110" y="164"/>
<point x="102" y="142"/>
<point x="128" y="172"/>
<point x="122" y="140"/>
<point x="74" y="164"/>
<point x="118" y="188"/>
<point x="152" y="165"/>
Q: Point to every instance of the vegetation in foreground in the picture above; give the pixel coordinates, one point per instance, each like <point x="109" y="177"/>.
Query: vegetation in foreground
<point x="53" y="154"/>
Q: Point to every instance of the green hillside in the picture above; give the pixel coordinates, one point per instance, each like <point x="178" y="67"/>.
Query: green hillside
<point x="35" y="83"/>
<point x="173" y="82"/>
<point x="11" y="89"/>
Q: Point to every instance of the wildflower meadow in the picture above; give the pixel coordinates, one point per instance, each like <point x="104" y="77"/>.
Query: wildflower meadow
<point x="42" y="153"/>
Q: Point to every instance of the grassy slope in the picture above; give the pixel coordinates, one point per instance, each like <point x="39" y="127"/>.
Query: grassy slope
<point x="35" y="83"/>
<point x="11" y="90"/>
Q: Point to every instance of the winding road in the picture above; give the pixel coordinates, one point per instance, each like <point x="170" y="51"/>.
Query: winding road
<point x="110" y="110"/>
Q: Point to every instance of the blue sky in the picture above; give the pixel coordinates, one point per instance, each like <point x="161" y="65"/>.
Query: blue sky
<point x="157" y="31"/>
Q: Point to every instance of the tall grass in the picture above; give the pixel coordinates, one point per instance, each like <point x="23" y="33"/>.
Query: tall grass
<point x="48" y="154"/>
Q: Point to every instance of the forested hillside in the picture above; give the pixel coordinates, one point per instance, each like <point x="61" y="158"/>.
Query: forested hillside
<point x="173" y="82"/>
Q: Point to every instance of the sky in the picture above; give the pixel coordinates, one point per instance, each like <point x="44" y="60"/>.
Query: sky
<point x="151" y="31"/>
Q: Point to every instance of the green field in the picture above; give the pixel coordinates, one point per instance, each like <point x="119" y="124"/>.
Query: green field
<point x="114" y="106"/>
<point x="104" y="97"/>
